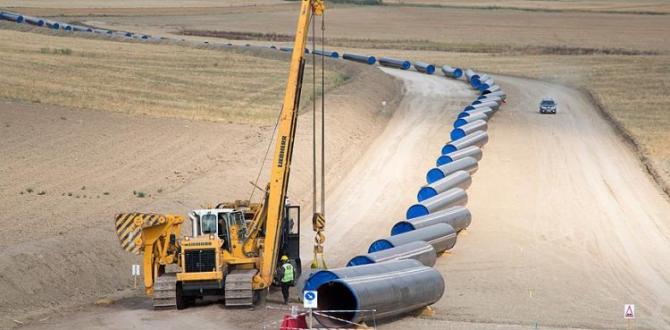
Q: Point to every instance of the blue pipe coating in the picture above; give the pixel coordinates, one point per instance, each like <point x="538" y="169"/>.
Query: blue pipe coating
<point x="467" y="164"/>
<point x="459" y="179"/>
<point x="457" y="217"/>
<point x="360" y="58"/>
<point x="395" y="63"/>
<point x="472" y="151"/>
<point x="451" y="197"/>
<point x="424" y="67"/>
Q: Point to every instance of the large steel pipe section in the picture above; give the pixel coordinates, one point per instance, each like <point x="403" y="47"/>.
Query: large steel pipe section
<point x="468" y="164"/>
<point x="492" y="89"/>
<point x="419" y="250"/>
<point x="79" y="28"/>
<point x="320" y="277"/>
<point x="485" y="110"/>
<point x="476" y="138"/>
<point x="457" y="217"/>
<point x="34" y="20"/>
<point x="471" y="151"/>
<point x="485" y="84"/>
<point x="290" y="49"/>
<point x="12" y="17"/>
<point x="451" y="197"/>
<point x="499" y="94"/>
<point x="487" y="99"/>
<point x="452" y="72"/>
<point x="441" y="236"/>
<point x="469" y="75"/>
<point x="395" y="63"/>
<point x="327" y="53"/>
<point x="459" y="179"/>
<point x="470" y="118"/>
<point x="389" y="294"/>
<point x="360" y="58"/>
<point x="461" y="132"/>
<point x="488" y="104"/>
<point x="424" y="67"/>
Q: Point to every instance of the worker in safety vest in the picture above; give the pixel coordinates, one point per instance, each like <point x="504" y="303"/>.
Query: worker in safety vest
<point x="286" y="277"/>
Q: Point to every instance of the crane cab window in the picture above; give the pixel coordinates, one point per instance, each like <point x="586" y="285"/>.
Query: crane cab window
<point x="208" y="224"/>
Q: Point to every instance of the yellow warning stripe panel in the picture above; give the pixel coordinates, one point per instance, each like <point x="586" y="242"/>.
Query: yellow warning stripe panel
<point x="123" y="220"/>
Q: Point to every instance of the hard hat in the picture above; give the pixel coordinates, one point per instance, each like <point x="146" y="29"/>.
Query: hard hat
<point x="284" y="258"/>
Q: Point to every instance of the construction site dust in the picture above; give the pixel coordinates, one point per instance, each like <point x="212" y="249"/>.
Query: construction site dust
<point x="334" y="164"/>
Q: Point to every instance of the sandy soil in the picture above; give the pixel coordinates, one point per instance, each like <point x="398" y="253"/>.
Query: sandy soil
<point x="567" y="226"/>
<point x="59" y="249"/>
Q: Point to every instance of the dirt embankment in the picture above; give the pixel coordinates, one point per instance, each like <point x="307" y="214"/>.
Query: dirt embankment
<point x="59" y="248"/>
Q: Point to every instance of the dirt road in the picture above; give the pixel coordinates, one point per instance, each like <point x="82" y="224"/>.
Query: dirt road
<point x="567" y="227"/>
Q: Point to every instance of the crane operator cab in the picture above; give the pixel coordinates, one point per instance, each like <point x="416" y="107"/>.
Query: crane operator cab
<point x="226" y="229"/>
<point x="221" y="223"/>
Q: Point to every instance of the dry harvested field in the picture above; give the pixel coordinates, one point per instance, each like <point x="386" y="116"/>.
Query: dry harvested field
<point x="203" y="83"/>
<point x="611" y="6"/>
<point x="450" y="26"/>
<point x="50" y="4"/>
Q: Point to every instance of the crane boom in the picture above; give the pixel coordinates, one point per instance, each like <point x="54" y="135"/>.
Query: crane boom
<point x="283" y="154"/>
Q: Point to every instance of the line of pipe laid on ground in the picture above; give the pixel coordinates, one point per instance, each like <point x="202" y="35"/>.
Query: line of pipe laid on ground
<point x="401" y="263"/>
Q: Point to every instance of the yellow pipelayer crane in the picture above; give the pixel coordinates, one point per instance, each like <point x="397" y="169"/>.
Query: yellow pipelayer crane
<point x="234" y="248"/>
